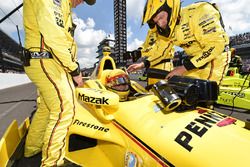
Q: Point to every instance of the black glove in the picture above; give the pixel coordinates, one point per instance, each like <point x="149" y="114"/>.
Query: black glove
<point x="76" y="72"/>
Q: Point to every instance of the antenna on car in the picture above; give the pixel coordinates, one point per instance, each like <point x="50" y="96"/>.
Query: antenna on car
<point x="20" y="42"/>
<point x="7" y="16"/>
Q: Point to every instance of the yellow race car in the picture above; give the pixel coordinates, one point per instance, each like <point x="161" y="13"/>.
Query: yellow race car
<point x="235" y="90"/>
<point x="148" y="130"/>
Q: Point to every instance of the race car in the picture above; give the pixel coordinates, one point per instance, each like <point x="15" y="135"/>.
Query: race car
<point x="162" y="127"/>
<point x="235" y="90"/>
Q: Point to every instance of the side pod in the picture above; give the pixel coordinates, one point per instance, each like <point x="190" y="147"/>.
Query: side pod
<point x="10" y="142"/>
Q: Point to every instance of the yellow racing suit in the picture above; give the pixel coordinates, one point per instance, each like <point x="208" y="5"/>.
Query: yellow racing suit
<point x="159" y="52"/>
<point x="201" y="34"/>
<point x="48" y="29"/>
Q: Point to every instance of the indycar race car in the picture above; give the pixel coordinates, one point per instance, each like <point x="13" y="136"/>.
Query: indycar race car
<point x="235" y="90"/>
<point x="150" y="129"/>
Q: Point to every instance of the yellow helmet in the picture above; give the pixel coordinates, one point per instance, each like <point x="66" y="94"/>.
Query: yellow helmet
<point x="233" y="50"/>
<point x="118" y="82"/>
<point x="153" y="7"/>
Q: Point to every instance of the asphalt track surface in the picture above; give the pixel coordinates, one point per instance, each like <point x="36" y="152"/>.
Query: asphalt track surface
<point x="20" y="102"/>
<point x="16" y="103"/>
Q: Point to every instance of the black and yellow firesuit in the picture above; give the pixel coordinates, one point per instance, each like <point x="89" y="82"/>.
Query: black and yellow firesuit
<point x="201" y="34"/>
<point x="48" y="29"/>
<point x="158" y="51"/>
<point x="198" y="29"/>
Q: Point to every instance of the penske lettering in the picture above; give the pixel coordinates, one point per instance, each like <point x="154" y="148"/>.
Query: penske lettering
<point x="197" y="128"/>
<point x="89" y="125"/>
<point x="94" y="100"/>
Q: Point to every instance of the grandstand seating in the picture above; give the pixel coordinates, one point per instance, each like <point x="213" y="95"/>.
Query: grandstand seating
<point x="242" y="44"/>
<point x="10" y="53"/>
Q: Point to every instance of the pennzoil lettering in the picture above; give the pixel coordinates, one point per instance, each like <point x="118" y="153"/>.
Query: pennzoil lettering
<point x="240" y="95"/>
<point x="94" y="100"/>
<point x="89" y="125"/>
<point x="198" y="127"/>
<point x="205" y="54"/>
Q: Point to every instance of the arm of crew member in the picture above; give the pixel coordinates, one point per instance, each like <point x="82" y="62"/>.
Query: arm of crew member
<point x="209" y="33"/>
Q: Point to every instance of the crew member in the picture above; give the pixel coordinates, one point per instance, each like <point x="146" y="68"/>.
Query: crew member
<point x="51" y="64"/>
<point x="157" y="52"/>
<point x="199" y="30"/>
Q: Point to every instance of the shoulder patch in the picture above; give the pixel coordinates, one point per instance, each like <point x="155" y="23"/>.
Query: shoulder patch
<point x="57" y="2"/>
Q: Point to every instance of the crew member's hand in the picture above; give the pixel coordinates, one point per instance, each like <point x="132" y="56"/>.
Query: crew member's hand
<point x="180" y="70"/>
<point x="135" y="67"/>
<point x="78" y="80"/>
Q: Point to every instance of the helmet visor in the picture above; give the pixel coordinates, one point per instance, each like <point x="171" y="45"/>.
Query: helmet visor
<point x="115" y="82"/>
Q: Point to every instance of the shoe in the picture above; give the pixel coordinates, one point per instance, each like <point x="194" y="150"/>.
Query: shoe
<point x="29" y="162"/>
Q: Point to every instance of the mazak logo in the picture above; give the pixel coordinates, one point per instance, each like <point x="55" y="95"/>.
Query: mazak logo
<point x="94" y="100"/>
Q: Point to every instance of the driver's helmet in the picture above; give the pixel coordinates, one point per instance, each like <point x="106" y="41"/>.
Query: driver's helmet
<point x="233" y="50"/>
<point x="118" y="82"/>
<point x="153" y="7"/>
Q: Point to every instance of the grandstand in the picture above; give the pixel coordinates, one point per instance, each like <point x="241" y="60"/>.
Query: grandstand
<point x="242" y="44"/>
<point x="10" y="53"/>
